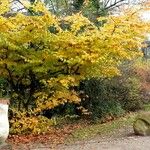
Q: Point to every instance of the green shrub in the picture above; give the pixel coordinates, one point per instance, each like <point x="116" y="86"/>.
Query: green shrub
<point x="99" y="99"/>
<point x="131" y="100"/>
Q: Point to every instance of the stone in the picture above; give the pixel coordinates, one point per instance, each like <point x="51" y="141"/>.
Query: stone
<point x="141" y="124"/>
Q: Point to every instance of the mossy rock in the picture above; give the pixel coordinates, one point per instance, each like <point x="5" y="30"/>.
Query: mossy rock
<point x="141" y="125"/>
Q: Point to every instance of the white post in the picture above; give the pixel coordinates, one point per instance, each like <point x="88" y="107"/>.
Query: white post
<point x="4" y="123"/>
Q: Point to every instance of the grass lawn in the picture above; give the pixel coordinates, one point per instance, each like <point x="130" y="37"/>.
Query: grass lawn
<point x="92" y="130"/>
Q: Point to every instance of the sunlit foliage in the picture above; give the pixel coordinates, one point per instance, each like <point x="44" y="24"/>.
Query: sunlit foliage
<point x="44" y="57"/>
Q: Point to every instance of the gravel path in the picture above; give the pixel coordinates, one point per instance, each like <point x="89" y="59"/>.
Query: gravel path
<point x="123" y="139"/>
<point x="128" y="143"/>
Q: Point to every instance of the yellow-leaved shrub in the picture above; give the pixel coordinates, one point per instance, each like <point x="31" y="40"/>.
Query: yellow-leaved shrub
<point x="27" y="123"/>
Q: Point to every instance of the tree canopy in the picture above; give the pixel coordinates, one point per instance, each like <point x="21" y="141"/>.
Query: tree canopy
<point x="43" y="57"/>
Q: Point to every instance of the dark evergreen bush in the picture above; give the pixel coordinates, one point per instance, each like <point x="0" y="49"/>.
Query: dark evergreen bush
<point x="99" y="98"/>
<point x="111" y="97"/>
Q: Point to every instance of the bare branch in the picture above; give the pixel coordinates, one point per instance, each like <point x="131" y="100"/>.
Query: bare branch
<point x="115" y="4"/>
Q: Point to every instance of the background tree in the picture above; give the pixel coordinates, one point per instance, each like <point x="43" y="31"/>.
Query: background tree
<point x="88" y="7"/>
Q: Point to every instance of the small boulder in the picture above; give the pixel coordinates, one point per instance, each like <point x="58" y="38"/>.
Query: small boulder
<point x="141" y="125"/>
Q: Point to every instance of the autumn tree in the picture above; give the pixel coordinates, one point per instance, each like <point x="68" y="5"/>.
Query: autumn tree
<point x="43" y="61"/>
